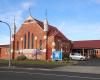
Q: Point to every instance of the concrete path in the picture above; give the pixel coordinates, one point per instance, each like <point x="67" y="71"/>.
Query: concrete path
<point x="80" y="69"/>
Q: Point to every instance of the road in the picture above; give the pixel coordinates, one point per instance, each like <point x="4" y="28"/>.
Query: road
<point x="84" y="70"/>
<point x="44" y="74"/>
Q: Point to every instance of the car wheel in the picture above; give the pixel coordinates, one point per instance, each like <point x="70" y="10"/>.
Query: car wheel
<point x="82" y="59"/>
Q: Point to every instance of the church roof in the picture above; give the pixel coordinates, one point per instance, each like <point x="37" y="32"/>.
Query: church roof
<point x="30" y="18"/>
<point x="52" y="31"/>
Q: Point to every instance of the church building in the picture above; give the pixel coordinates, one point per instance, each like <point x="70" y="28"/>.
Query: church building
<point x="37" y="40"/>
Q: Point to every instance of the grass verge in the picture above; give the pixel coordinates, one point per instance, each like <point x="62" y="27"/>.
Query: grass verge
<point x="28" y="62"/>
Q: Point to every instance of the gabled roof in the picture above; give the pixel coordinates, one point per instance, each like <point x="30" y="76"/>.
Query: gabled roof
<point x="52" y="31"/>
<point x="87" y="44"/>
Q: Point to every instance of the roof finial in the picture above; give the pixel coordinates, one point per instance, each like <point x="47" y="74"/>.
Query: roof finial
<point x="46" y="14"/>
<point x="46" y="22"/>
<point x="30" y="11"/>
<point x="30" y="18"/>
<point x="14" y="26"/>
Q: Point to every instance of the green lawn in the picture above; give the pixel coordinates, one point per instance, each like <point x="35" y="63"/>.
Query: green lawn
<point x="37" y="62"/>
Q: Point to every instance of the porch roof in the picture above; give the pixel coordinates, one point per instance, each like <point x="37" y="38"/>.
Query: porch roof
<point x="6" y="46"/>
<point x="87" y="44"/>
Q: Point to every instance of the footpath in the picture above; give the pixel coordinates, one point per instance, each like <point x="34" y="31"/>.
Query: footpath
<point x="80" y="69"/>
<point x="68" y="68"/>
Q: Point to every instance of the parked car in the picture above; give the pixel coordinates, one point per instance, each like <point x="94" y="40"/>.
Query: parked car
<point x="77" y="56"/>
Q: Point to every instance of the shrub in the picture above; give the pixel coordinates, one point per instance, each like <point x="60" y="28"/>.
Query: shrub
<point x="66" y="57"/>
<point x="22" y="57"/>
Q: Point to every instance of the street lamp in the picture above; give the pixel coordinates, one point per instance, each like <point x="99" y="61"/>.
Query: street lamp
<point x="10" y="42"/>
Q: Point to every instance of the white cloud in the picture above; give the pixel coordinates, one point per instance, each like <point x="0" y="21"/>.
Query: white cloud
<point x="9" y="18"/>
<point x="18" y="13"/>
<point x="69" y="28"/>
<point x="97" y="1"/>
<point x="80" y="30"/>
<point x="26" y="5"/>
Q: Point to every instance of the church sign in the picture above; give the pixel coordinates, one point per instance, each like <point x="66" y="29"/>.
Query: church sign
<point x="57" y="55"/>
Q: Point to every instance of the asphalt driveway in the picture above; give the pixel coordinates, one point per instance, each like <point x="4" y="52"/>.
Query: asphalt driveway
<point x="91" y="62"/>
<point x="90" y="66"/>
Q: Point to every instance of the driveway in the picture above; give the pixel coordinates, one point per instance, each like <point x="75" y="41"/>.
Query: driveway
<point x="90" y="66"/>
<point x="91" y="62"/>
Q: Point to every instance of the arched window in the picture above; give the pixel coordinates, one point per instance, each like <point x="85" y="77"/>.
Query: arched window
<point x="40" y="44"/>
<point x="17" y="45"/>
<point x="28" y="40"/>
<point x="25" y="41"/>
<point x="58" y="45"/>
<point x="32" y="41"/>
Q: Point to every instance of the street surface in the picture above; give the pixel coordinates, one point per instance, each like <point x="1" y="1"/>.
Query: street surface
<point x="32" y="74"/>
<point x="84" y="70"/>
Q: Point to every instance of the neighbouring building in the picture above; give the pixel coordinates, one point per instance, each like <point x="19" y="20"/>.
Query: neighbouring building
<point x="37" y="40"/>
<point x="4" y="51"/>
<point x="89" y="48"/>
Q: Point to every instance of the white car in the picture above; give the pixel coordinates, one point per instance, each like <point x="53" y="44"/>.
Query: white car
<point x="77" y="56"/>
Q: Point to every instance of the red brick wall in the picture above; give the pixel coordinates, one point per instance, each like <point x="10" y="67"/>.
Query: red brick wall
<point x="32" y="28"/>
<point x="98" y="54"/>
<point x="4" y="53"/>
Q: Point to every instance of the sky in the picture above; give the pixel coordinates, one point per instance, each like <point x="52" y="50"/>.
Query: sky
<point x="76" y="19"/>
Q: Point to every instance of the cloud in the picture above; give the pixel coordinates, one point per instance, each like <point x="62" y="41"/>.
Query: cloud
<point x="26" y="5"/>
<point x="68" y="28"/>
<point x="94" y="1"/>
<point x="79" y="31"/>
<point x="16" y="13"/>
<point x="9" y="17"/>
<point x="8" y="14"/>
<point x="97" y="1"/>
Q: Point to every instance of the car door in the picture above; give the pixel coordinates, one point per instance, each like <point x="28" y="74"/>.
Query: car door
<point x="76" y="57"/>
<point x="72" y="56"/>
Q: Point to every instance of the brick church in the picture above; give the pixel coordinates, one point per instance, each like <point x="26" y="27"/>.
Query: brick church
<point x="37" y="40"/>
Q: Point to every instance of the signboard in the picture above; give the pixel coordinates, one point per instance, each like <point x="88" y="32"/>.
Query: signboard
<point x="57" y="55"/>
